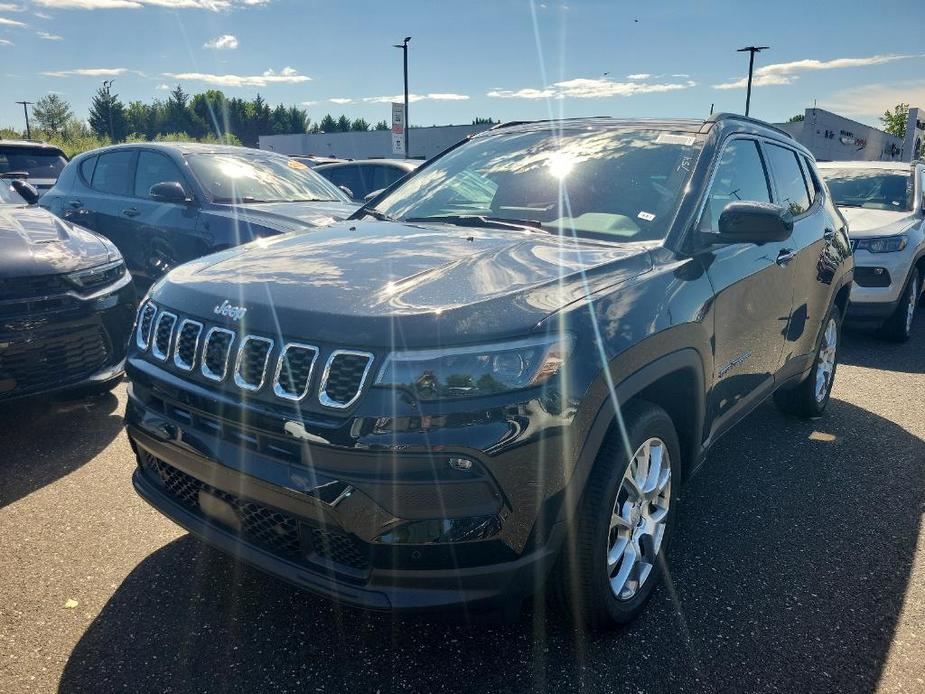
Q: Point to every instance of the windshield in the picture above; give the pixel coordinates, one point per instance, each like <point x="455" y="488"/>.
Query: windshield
<point x="876" y="189"/>
<point x="247" y="178"/>
<point x="38" y="162"/>
<point x="616" y="184"/>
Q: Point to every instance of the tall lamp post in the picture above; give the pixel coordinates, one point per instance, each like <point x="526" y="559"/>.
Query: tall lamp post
<point x="751" y="50"/>
<point x="404" y="47"/>
<point x="25" y="110"/>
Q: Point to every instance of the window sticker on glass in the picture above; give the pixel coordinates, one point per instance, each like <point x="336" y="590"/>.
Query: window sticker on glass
<point x="672" y="139"/>
<point x="646" y="216"/>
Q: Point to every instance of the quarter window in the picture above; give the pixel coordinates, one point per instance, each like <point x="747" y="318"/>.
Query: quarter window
<point x="791" y="186"/>
<point x="154" y="168"/>
<point x="113" y="173"/>
<point x="86" y="169"/>
<point x="740" y="176"/>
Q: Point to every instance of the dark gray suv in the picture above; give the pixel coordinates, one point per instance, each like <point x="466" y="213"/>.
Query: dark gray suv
<point x="500" y="371"/>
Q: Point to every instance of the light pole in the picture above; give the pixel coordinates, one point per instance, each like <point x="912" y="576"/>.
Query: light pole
<point x="404" y="47"/>
<point x="25" y="110"/>
<point x="751" y="50"/>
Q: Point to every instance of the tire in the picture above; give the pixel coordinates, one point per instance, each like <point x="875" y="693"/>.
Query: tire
<point x="811" y="397"/>
<point x="584" y="583"/>
<point x="898" y="327"/>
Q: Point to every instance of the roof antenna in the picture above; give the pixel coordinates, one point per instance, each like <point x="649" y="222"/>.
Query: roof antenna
<point x="711" y="108"/>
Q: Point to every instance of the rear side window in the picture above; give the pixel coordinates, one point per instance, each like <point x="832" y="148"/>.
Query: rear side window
<point x="791" y="187"/>
<point x="347" y="176"/>
<point x="740" y="175"/>
<point x="113" y="173"/>
<point x="384" y="176"/>
<point x="86" y="169"/>
<point x="154" y="168"/>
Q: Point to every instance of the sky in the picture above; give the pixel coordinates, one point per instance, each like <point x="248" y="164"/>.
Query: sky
<point x="506" y="59"/>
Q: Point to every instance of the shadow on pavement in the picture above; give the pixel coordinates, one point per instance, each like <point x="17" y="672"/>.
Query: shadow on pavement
<point x="789" y="569"/>
<point x="863" y="347"/>
<point x="45" y="438"/>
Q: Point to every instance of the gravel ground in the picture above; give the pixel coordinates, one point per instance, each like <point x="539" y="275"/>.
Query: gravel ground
<point x="798" y="565"/>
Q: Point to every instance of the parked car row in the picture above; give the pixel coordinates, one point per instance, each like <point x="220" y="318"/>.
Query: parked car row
<point x="494" y="376"/>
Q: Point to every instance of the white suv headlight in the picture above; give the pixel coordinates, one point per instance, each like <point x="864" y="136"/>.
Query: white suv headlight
<point x="888" y="244"/>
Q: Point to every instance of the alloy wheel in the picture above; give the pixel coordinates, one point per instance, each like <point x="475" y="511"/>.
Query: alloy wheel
<point x="639" y="519"/>
<point x="825" y="366"/>
<point x="913" y="301"/>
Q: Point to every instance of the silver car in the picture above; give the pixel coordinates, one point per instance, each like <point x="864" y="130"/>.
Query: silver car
<point x="884" y="204"/>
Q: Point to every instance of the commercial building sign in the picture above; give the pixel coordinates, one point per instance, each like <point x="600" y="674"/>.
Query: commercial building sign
<point x="914" y="144"/>
<point x="398" y="128"/>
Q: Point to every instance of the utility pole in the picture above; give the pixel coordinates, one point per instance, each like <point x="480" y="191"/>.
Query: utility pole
<point x="751" y="50"/>
<point x="404" y="47"/>
<point x="107" y="85"/>
<point x="25" y="110"/>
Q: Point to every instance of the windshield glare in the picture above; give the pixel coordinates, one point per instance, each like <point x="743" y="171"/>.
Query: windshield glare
<point x="242" y="178"/>
<point x="872" y="188"/>
<point x="37" y="162"/>
<point x="8" y="195"/>
<point x="616" y="184"/>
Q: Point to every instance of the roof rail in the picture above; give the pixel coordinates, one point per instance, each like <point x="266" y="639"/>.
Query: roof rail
<point x="513" y="123"/>
<point x="716" y="117"/>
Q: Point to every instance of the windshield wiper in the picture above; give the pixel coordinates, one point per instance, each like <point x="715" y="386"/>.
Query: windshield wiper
<point x="478" y="220"/>
<point x="376" y="214"/>
<point x="310" y="200"/>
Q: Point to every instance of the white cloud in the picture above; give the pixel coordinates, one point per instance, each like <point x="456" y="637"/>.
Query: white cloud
<point x="88" y="72"/>
<point x="871" y="100"/>
<point x="287" y="75"/>
<point x="785" y="73"/>
<point x="5" y="42"/>
<point x="412" y="98"/>
<point x="591" y="88"/>
<point x="48" y="37"/>
<point x="11" y="7"/>
<point x="42" y="15"/>
<point x="310" y="103"/>
<point x="212" y="5"/>
<point x="639" y="76"/>
<point x="340" y="100"/>
<point x="11" y="22"/>
<point x="163" y="87"/>
<point x="225" y="42"/>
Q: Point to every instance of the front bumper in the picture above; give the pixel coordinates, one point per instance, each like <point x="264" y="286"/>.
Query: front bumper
<point x="884" y="275"/>
<point x="65" y="342"/>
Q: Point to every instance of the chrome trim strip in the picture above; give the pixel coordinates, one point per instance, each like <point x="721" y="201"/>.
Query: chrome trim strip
<point x="177" y="361"/>
<point x="155" y="352"/>
<point x="144" y="344"/>
<point x="240" y="382"/>
<point x="277" y="388"/>
<point x="323" y="396"/>
<point x="203" y="368"/>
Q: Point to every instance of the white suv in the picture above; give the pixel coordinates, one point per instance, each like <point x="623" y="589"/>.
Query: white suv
<point x="884" y="204"/>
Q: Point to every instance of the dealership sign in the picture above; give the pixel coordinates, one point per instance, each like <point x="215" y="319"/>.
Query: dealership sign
<point x="398" y="128"/>
<point x="914" y="144"/>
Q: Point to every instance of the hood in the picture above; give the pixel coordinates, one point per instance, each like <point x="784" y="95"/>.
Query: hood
<point x="35" y="242"/>
<point x="873" y="223"/>
<point x="287" y="216"/>
<point x="371" y="283"/>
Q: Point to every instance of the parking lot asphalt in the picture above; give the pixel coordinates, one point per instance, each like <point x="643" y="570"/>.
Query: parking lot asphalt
<point x="798" y="565"/>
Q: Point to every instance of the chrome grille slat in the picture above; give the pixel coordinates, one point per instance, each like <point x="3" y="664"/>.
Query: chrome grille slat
<point x="145" y="324"/>
<point x="294" y="370"/>
<point x="344" y="377"/>
<point x="216" y="350"/>
<point x="253" y="357"/>
<point x="163" y="335"/>
<point x="187" y="344"/>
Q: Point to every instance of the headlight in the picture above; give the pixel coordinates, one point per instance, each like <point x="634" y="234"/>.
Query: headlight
<point x="480" y="370"/>
<point x="96" y="277"/>
<point x="889" y="244"/>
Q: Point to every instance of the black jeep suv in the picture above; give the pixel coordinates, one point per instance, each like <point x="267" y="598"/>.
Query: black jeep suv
<point x="497" y="372"/>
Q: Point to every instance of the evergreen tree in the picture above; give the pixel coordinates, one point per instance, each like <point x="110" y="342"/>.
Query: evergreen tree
<point x="52" y="113"/>
<point x="359" y="125"/>
<point x="343" y="124"/>
<point x="382" y="125"/>
<point x="328" y="124"/>
<point x="107" y="114"/>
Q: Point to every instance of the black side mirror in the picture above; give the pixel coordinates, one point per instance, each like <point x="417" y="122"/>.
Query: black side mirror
<point x="26" y="190"/>
<point x="346" y="191"/>
<point x="169" y="191"/>
<point x="753" y="222"/>
<point x="374" y="194"/>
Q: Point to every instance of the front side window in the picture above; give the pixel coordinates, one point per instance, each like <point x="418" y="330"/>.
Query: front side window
<point x="740" y="176"/>
<point x="608" y="183"/>
<point x="876" y="189"/>
<point x="37" y="162"/>
<point x="247" y="178"/>
<point x="154" y="168"/>
<point x="791" y="186"/>
<point x="113" y="173"/>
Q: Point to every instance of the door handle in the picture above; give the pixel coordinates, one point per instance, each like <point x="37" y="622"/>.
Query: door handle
<point x="76" y="204"/>
<point x="785" y="256"/>
<point x="828" y="234"/>
<point x="131" y="212"/>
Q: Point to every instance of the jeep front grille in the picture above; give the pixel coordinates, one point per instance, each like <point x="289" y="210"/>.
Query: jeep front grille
<point x="343" y="377"/>
<point x="145" y="324"/>
<point x="184" y="353"/>
<point x="294" y="371"/>
<point x="251" y="365"/>
<point x="216" y="352"/>
<point x="163" y="333"/>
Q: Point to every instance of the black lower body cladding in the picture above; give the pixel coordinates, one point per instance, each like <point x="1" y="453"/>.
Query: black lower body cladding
<point x="64" y="343"/>
<point x="392" y="530"/>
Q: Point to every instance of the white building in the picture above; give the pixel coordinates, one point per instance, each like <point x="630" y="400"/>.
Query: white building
<point x="831" y="137"/>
